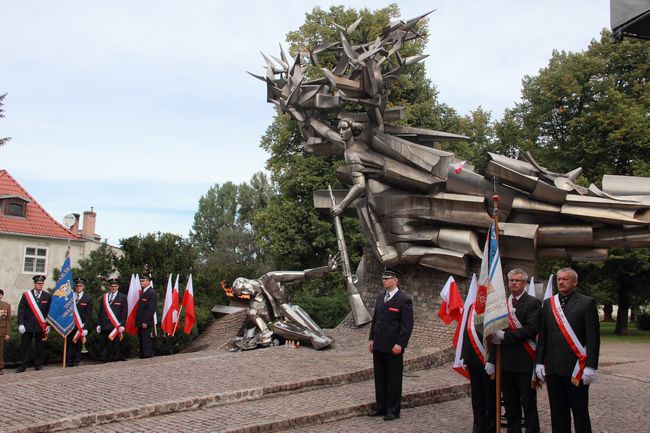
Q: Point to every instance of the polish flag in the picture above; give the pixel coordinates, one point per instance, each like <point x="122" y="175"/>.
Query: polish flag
<point x="188" y="303"/>
<point x="175" y="306"/>
<point x="549" y="288"/>
<point x="459" y="363"/>
<point x="132" y="301"/>
<point x="451" y="307"/>
<point x="167" y="324"/>
<point x="531" y="287"/>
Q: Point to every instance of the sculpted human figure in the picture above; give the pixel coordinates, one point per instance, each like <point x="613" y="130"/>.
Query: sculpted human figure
<point x="268" y="303"/>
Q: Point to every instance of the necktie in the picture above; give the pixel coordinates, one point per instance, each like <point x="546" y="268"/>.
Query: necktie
<point x="111" y="297"/>
<point x="386" y="297"/>
<point x="37" y="296"/>
<point x="563" y="301"/>
<point x="514" y="302"/>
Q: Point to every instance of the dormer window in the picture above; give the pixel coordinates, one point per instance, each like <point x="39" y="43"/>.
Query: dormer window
<point x="14" y="206"/>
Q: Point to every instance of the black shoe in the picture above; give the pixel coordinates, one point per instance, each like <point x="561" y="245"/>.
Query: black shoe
<point x="20" y="369"/>
<point x="375" y="412"/>
<point x="390" y="417"/>
<point x="38" y="367"/>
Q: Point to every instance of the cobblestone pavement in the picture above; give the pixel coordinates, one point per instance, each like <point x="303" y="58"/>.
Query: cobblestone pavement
<point x="618" y="402"/>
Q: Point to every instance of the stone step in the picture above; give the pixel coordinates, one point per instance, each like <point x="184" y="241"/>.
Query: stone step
<point x="143" y="388"/>
<point x="296" y="409"/>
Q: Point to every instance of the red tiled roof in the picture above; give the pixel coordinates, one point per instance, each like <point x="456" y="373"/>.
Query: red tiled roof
<point x="37" y="222"/>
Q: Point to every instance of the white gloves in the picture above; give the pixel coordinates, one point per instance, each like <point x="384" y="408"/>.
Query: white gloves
<point x="121" y="329"/>
<point x="99" y="329"/>
<point x="21" y="329"/>
<point x="588" y="376"/>
<point x="84" y="333"/>
<point x="498" y="337"/>
<point x="489" y="368"/>
<point x="540" y="372"/>
<point x="48" y="328"/>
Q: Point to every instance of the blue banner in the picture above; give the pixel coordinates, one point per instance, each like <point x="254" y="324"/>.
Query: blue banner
<point x="61" y="315"/>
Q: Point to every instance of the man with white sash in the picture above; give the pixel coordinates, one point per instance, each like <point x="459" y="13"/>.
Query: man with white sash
<point x="83" y="314"/>
<point x="32" y="312"/>
<point x="567" y="353"/>
<point x="518" y="353"/>
<point x="483" y="387"/>
<point x="113" y="310"/>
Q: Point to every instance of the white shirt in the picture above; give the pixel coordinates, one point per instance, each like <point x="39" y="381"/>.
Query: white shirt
<point x="390" y="294"/>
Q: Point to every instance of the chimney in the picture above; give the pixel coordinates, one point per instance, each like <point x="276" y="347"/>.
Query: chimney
<point x="88" y="229"/>
<point x="75" y="227"/>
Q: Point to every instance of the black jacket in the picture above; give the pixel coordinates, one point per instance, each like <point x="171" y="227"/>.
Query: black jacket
<point x="146" y="307"/>
<point x="85" y="309"/>
<point x="553" y="350"/>
<point x="120" y="310"/>
<point x="469" y="356"/>
<point x="514" y="358"/>
<point x="392" y="323"/>
<point x="25" y="315"/>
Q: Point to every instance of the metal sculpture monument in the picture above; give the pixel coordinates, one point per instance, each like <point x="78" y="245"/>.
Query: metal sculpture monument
<point x="420" y="205"/>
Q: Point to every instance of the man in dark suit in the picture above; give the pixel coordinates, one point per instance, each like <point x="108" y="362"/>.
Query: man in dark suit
<point x="569" y="333"/>
<point x="84" y="306"/>
<point x="392" y="324"/>
<point x="116" y="302"/>
<point x="482" y="386"/>
<point x="518" y="345"/>
<point x="144" y="317"/>
<point x="31" y="323"/>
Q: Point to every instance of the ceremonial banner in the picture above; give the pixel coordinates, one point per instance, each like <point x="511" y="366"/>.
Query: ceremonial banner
<point x="496" y="310"/>
<point x="459" y="363"/>
<point x="61" y="315"/>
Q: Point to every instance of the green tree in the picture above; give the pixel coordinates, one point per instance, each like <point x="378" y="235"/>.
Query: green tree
<point x="2" y="97"/>
<point x="590" y="109"/>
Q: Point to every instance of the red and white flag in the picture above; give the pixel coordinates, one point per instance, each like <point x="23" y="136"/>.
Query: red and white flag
<point x="451" y="307"/>
<point x="132" y="301"/>
<point x="459" y="364"/>
<point x="549" y="288"/>
<point x="188" y="303"/>
<point x="531" y="287"/>
<point x="167" y="324"/>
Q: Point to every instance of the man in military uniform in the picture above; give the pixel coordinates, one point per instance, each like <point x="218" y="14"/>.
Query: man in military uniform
<point x="5" y="327"/>
<point x="392" y="324"/>
<point x="144" y="317"/>
<point x="113" y="310"/>
<point x="518" y="352"/>
<point x="77" y="338"/>
<point x="32" y="312"/>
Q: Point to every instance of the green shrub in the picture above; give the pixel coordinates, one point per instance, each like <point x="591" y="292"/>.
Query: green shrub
<point x="643" y="321"/>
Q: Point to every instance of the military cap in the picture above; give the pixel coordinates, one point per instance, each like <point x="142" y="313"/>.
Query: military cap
<point x="145" y="277"/>
<point x="79" y="280"/>
<point x="113" y="281"/>
<point x="38" y="278"/>
<point x="390" y="272"/>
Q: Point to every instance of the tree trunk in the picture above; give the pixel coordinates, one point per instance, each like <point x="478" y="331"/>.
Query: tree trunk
<point x="633" y="312"/>
<point x="621" y="315"/>
<point x="608" y="309"/>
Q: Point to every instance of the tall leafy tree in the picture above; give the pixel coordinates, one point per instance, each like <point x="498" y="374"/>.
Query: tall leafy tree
<point x="590" y="109"/>
<point x="2" y="97"/>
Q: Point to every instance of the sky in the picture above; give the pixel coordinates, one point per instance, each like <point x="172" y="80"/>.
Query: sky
<point x="136" y="108"/>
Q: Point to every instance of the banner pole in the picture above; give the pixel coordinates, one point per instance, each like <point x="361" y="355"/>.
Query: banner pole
<point x="180" y="310"/>
<point x="497" y="368"/>
<point x="65" y="346"/>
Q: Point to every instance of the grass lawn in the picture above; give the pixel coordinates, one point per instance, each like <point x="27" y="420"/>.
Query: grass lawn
<point x="634" y="334"/>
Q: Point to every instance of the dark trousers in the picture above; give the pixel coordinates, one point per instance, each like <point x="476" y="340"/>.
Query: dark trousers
<point x="388" y="369"/>
<point x="110" y="349"/>
<point x="145" y="344"/>
<point x="483" y="391"/>
<point x="566" y="398"/>
<point x="25" y="345"/>
<point x="518" y="393"/>
<point x="73" y="350"/>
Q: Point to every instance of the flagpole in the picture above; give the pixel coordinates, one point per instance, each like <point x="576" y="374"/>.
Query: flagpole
<point x="65" y="345"/>
<point x="180" y="310"/>
<point x="497" y="368"/>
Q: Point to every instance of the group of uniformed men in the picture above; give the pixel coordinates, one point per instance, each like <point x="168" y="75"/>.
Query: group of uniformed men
<point x="557" y="343"/>
<point x="111" y="321"/>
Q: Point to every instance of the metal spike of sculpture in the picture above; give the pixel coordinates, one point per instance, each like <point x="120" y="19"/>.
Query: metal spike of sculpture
<point x="418" y="204"/>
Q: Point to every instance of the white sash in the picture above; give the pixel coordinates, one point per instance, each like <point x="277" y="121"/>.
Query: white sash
<point x="79" y="324"/>
<point x="33" y="305"/>
<point x="476" y="342"/>
<point x="112" y="318"/>
<point x="529" y="345"/>
<point x="571" y="338"/>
